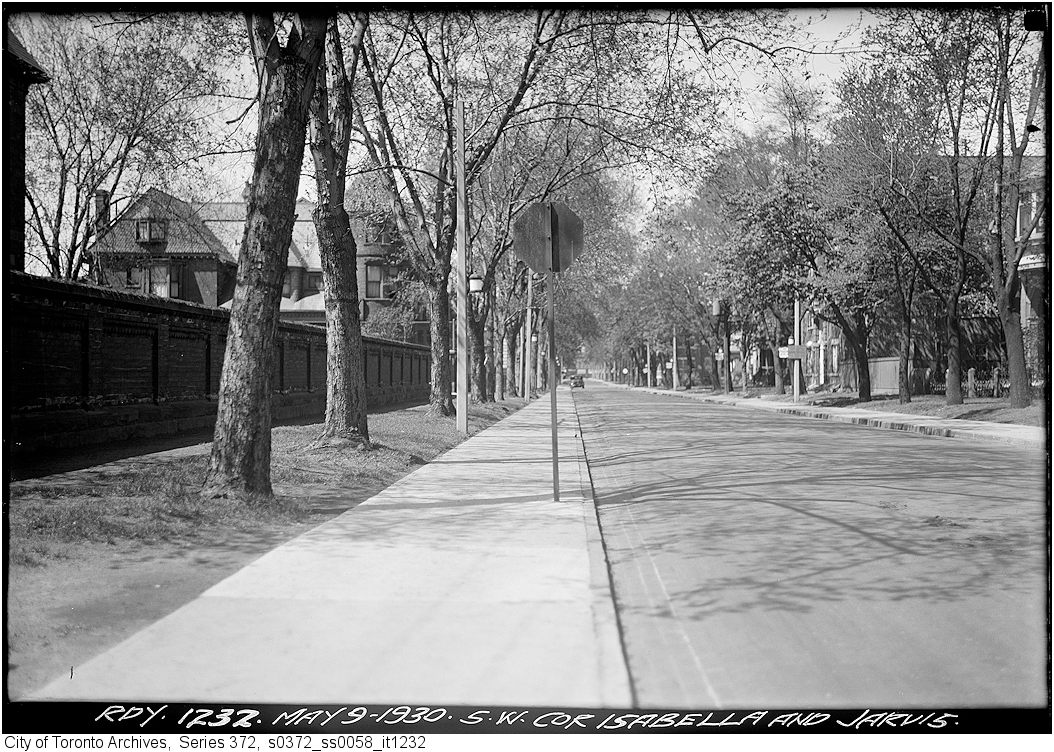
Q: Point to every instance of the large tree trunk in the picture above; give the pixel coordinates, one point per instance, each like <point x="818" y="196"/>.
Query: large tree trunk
<point x="499" y="363"/>
<point x="509" y="350"/>
<point x="345" y="374"/>
<point x="440" y="401"/>
<point x="863" y="370"/>
<point x="477" y="332"/>
<point x="953" y="394"/>
<point x="777" y="369"/>
<point x="1010" y="318"/>
<point x="691" y="363"/>
<point x="330" y="129"/>
<point x="857" y="337"/>
<point x="493" y="368"/>
<point x="240" y="461"/>
<point x="904" y="378"/>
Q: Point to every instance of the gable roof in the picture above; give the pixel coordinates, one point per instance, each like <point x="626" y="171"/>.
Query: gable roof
<point x="188" y="235"/>
<point x="212" y="229"/>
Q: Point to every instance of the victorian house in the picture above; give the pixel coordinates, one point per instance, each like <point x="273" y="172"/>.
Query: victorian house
<point x="164" y="247"/>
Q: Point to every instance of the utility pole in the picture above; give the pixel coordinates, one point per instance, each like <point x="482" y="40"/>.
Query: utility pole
<point x="676" y="379"/>
<point x="726" y="364"/>
<point x="528" y="346"/>
<point x="461" y="272"/>
<point x="796" y="364"/>
<point x="553" y="265"/>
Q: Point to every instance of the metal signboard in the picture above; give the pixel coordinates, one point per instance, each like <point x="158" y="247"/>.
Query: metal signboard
<point x="548" y="238"/>
<point x="530" y="237"/>
<point x="568" y="235"/>
<point x="793" y="352"/>
<point x="532" y="230"/>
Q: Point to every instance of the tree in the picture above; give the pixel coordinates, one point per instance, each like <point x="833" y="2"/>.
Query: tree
<point x="948" y="60"/>
<point x="1018" y="99"/>
<point x="287" y="52"/>
<point x="331" y="128"/>
<point x="884" y="137"/>
<point x="621" y="77"/>
<point x="127" y="103"/>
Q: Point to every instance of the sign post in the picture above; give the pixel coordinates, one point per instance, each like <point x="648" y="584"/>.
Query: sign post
<point x="527" y="346"/>
<point x="548" y="238"/>
<point x="554" y="248"/>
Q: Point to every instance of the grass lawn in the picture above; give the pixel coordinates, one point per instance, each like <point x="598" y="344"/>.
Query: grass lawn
<point x="154" y="498"/>
<point x="995" y="410"/>
<point x="97" y="554"/>
<point x="990" y="409"/>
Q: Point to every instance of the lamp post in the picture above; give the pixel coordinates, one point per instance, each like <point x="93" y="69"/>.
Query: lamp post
<point x="527" y="333"/>
<point x="676" y="375"/>
<point x="462" y="264"/>
<point x="532" y="353"/>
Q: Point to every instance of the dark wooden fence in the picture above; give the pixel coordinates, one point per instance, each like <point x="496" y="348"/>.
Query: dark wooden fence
<point x="85" y="365"/>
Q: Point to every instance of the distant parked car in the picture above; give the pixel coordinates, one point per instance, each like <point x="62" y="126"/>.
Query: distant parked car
<point x="577" y="380"/>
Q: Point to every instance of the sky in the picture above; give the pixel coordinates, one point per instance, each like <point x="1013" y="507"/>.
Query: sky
<point x="827" y="29"/>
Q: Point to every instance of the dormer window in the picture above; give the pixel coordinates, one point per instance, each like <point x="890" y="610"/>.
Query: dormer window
<point x="149" y="230"/>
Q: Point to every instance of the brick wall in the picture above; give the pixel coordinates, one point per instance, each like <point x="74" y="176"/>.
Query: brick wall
<point x="85" y="365"/>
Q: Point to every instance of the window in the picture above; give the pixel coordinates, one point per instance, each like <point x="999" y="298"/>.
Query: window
<point x="375" y="233"/>
<point x="175" y="274"/>
<point x="133" y="278"/>
<point x="378" y="281"/>
<point x="149" y="230"/>
<point x="159" y="285"/>
<point x="314" y="281"/>
<point x="1026" y="212"/>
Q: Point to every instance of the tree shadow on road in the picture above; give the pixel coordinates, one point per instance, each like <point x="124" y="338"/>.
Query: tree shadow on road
<point x="763" y="513"/>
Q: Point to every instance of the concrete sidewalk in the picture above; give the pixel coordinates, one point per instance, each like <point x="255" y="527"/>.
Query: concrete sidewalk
<point x="463" y="583"/>
<point x="977" y="430"/>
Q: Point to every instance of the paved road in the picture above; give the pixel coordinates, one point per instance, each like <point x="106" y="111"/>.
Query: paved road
<point x="775" y="561"/>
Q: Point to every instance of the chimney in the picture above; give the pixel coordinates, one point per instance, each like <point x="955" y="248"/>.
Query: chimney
<point x="102" y="208"/>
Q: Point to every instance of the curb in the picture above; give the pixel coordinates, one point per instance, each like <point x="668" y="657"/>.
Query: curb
<point x="909" y="426"/>
<point x="614" y="668"/>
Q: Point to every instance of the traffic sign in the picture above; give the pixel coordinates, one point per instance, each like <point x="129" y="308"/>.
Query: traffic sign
<point x="793" y="352"/>
<point x="568" y="232"/>
<point x="532" y="230"/>
<point x="530" y="236"/>
<point x="548" y="238"/>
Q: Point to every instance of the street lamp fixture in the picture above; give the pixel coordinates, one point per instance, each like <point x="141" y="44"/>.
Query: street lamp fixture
<point x="475" y="284"/>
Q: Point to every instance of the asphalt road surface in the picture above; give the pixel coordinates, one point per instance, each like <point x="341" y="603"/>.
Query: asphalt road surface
<point x="772" y="561"/>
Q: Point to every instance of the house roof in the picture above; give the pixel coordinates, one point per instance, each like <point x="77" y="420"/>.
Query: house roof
<point x="23" y="61"/>
<point x="314" y="303"/>
<point x="226" y="219"/>
<point x="188" y="235"/>
<point x="213" y="229"/>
